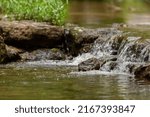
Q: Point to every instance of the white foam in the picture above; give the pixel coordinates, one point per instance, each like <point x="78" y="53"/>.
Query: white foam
<point x="97" y="72"/>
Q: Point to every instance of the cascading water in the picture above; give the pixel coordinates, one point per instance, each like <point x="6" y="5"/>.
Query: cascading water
<point x="117" y="54"/>
<point x="135" y="49"/>
<point x="104" y="47"/>
<point x="130" y="53"/>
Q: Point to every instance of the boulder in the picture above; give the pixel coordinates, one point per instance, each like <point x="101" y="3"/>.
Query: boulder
<point x="90" y="64"/>
<point x="31" y="35"/>
<point x="143" y="72"/>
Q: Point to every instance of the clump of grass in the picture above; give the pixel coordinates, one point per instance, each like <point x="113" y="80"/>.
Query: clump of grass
<point x="54" y="11"/>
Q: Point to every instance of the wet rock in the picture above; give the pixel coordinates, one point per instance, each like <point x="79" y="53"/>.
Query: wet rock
<point x="130" y="68"/>
<point x="109" y="66"/>
<point x="13" y="53"/>
<point x="117" y="66"/>
<point x="3" y="52"/>
<point x="88" y="35"/>
<point x="126" y="67"/>
<point x="109" y="41"/>
<point x="109" y="45"/>
<point x="86" y="48"/>
<point x="143" y="72"/>
<point x="57" y="54"/>
<point x="90" y="64"/>
<point x="75" y="33"/>
<point x="85" y="35"/>
<point x="112" y="45"/>
<point x="43" y="54"/>
<point x="31" y="35"/>
<point x="78" y="39"/>
<point x="82" y="38"/>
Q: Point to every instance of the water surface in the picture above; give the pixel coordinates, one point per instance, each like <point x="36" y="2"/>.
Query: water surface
<point x="90" y="13"/>
<point x="56" y="83"/>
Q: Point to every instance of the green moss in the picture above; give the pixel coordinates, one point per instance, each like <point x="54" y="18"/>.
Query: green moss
<point x="55" y="50"/>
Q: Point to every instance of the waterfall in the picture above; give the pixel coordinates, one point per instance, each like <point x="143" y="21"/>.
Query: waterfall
<point x="135" y="49"/>
<point x="113" y="52"/>
<point x="130" y="53"/>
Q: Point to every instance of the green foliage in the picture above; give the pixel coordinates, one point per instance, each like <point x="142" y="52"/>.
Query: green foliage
<point x="54" y="11"/>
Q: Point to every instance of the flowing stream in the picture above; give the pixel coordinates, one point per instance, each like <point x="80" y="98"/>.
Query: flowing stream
<point x="61" y="80"/>
<point x="47" y="79"/>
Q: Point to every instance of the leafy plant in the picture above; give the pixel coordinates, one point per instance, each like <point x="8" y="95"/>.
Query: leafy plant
<point x="54" y="11"/>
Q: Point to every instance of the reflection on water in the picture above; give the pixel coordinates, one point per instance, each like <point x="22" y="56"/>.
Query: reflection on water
<point x="142" y="19"/>
<point x="95" y="13"/>
<point x="56" y="83"/>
